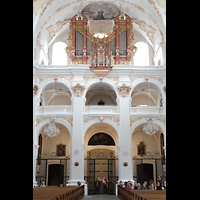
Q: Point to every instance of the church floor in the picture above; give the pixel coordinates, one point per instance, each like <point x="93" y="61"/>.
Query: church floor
<point x="101" y="197"/>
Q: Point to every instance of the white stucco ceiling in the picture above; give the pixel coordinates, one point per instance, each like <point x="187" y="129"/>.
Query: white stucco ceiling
<point x="51" y="17"/>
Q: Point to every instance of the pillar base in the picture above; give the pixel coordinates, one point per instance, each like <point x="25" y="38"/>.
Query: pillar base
<point x="35" y="184"/>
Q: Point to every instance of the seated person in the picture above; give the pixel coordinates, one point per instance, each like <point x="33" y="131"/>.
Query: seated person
<point x="144" y="187"/>
<point x="43" y="185"/>
<point x="121" y="183"/>
<point x="78" y="183"/>
<point x="135" y="186"/>
<point x="61" y="185"/>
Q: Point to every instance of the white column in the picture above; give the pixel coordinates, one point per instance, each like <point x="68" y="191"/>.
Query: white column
<point x="34" y="152"/>
<point x="35" y="141"/>
<point x="163" y="53"/>
<point x="125" y="148"/>
<point x="77" y="145"/>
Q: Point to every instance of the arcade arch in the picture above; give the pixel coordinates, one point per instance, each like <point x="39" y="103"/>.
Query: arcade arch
<point x="104" y="83"/>
<point x="100" y="128"/>
<point x="55" y="93"/>
<point x="153" y="85"/>
<point x="49" y="145"/>
<point x="66" y="84"/>
<point x="100" y="94"/>
<point x="139" y="124"/>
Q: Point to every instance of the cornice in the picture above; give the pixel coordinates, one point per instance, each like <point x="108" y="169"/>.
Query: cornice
<point x="70" y="70"/>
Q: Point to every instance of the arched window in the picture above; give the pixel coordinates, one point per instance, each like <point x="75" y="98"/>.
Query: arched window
<point x="59" y="55"/>
<point x="141" y="56"/>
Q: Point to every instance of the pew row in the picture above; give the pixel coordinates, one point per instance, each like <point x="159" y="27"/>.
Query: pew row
<point x="57" y="193"/>
<point x="125" y="194"/>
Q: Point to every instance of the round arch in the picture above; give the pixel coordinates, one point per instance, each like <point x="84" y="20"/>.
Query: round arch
<point x="143" y="121"/>
<point x="151" y="80"/>
<point x="43" y="123"/>
<point x="96" y="121"/>
<point x="97" y="80"/>
<point x="51" y="80"/>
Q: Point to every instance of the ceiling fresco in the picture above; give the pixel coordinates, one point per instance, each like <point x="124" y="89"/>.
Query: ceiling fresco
<point x="101" y="11"/>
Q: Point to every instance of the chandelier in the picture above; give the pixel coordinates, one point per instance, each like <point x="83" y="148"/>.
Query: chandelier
<point x="150" y="128"/>
<point x="51" y="130"/>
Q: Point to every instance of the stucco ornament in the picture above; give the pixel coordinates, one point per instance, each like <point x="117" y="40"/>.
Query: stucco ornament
<point x="124" y="90"/>
<point x="78" y="89"/>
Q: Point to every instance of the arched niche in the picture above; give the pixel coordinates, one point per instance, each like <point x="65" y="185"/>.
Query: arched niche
<point x="100" y="92"/>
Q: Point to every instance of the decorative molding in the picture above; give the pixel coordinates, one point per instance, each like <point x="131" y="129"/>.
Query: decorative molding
<point x="113" y="78"/>
<point x="124" y="62"/>
<point x="87" y="120"/>
<point x="124" y="90"/>
<point x="69" y="120"/>
<point x="76" y="151"/>
<point x="35" y="89"/>
<point x="116" y="120"/>
<point x="132" y="120"/>
<point x="78" y="89"/>
<point x="162" y="120"/>
<point x="76" y="62"/>
<point x="41" y="79"/>
<point x="76" y="163"/>
<point x="68" y="78"/>
<point x="88" y="78"/>
<point x="39" y="120"/>
<point x="55" y="78"/>
<point x="146" y="78"/>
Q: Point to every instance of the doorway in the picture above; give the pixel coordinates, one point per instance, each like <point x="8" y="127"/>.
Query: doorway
<point x="101" y="163"/>
<point x="55" y="174"/>
<point x="144" y="173"/>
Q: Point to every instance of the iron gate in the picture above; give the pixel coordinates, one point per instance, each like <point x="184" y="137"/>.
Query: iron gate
<point x="43" y="167"/>
<point x="109" y="169"/>
<point x="139" y="169"/>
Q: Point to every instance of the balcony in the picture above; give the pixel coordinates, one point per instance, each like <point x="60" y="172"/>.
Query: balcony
<point x="57" y="110"/>
<point x="147" y="110"/>
<point x="105" y="110"/>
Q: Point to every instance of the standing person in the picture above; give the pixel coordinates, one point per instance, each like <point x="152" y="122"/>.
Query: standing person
<point x="105" y="185"/>
<point x="159" y="183"/>
<point x="97" y="184"/>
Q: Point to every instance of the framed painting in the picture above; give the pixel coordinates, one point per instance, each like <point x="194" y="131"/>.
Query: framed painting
<point x="60" y="150"/>
<point x="141" y="149"/>
<point x="101" y="139"/>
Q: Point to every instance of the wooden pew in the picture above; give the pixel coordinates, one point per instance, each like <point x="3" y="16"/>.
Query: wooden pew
<point x="144" y="194"/>
<point x="56" y="193"/>
<point x="125" y="194"/>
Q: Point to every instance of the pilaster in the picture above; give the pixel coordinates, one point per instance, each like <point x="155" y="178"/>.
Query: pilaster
<point x="125" y="148"/>
<point x="77" y="145"/>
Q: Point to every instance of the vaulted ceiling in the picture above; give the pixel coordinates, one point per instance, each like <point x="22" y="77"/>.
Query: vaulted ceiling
<point x="51" y="18"/>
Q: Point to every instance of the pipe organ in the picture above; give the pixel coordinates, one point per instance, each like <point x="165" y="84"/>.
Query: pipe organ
<point x="101" y="53"/>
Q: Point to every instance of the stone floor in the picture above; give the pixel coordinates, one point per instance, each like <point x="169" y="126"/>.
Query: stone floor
<point x="101" y="197"/>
